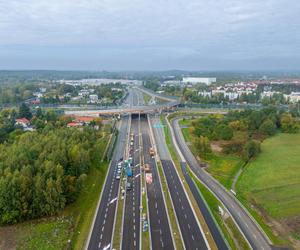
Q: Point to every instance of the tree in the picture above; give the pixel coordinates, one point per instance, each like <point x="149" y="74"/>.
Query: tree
<point x="202" y="146"/>
<point x="39" y="113"/>
<point x="24" y="111"/>
<point x="268" y="127"/>
<point x="289" y="124"/>
<point x="251" y="149"/>
<point x="224" y="132"/>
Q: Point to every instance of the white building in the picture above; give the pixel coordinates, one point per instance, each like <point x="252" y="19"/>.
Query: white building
<point x="93" y="98"/>
<point x="294" y="97"/>
<point x="231" y="95"/>
<point x="195" y="80"/>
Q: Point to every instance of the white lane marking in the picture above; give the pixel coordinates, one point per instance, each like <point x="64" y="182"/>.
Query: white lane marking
<point x="155" y="204"/>
<point x="185" y="216"/>
<point x="99" y="245"/>
<point x="106" y="247"/>
<point x="113" y="200"/>
<point x="189" y="226"/>
<point x="101" y="236"/>
<point x="193" y="237"/>
<point x="137" y="175"/>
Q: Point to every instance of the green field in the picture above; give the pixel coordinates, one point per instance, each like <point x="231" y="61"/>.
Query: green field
<point x="221" y="166"/>
<point x="272" y="181"/>
<point x="224" y="167"/>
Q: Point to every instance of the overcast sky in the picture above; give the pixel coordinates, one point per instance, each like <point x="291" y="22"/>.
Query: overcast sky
<point x="150" y="34"/>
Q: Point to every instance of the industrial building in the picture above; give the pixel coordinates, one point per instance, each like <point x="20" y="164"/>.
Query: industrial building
<point x="195" y="80"/>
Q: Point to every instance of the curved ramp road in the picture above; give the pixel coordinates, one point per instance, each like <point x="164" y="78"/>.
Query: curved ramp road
<point x="256" y="238"/>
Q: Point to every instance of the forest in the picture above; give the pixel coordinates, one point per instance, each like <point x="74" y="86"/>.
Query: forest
<point x="43" y="171"/>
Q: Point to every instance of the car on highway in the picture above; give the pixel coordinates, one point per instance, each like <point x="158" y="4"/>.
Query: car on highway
<point x="128" y="186"/>
<point x="118" y="177"/>
<point x="145" y="226"/>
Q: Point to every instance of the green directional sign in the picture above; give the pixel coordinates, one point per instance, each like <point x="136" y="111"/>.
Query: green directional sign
<point x="158" y="125"/>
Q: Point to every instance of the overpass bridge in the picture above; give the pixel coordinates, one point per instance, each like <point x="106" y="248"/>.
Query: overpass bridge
<point x="149" y="109"/>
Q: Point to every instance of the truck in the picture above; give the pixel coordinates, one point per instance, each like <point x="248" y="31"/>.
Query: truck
<point x="128" y="172"/>
<point x="147" y="168"/>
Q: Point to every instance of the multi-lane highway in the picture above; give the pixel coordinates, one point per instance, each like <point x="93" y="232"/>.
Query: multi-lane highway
<point x="248" y="226"/>
<point x="101" y="234"/>
<point x="161" y="236"/>
<point x="191" y="232"/>
<point x="131" y="218"/>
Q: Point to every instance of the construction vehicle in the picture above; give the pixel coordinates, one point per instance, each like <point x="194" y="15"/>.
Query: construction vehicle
<point x="147" y="168"/>
<point x="151" y="151"/>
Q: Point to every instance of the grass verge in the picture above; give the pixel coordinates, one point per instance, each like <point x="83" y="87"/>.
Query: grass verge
<point x="146" y="98"/>
<point x="119" y="218"/>
<point x="146" y="234"/>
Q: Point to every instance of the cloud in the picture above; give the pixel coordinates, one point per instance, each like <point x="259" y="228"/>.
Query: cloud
<point x="224" y="29"/>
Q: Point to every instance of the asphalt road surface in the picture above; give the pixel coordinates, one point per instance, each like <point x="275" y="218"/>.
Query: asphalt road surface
<point x="131" y="219"/>
<point x="256" y="238"/>
<point x="161" y="236"/>
<point x="189" y="227"/>
<point x="101" y="236"/>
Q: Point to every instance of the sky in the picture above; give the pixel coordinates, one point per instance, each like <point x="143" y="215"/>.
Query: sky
<point x="150" y="34"/>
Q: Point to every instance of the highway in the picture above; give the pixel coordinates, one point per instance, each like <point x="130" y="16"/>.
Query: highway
<point x="248" y="226"/>
<point x="101" y="235"/>
<point x="131" y="219"/>
<point x="191" y="233"/>
<point x="161" y="236"/>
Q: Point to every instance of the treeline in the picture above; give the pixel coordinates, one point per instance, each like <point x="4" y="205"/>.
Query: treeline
<point x="241" y="131"/>
<point x="43" y="171"/>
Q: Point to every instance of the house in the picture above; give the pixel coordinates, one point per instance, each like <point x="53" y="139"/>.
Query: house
<point x="24" y="122"/>
<point x="74" y="124"/>
<point x="83" y="119"/>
